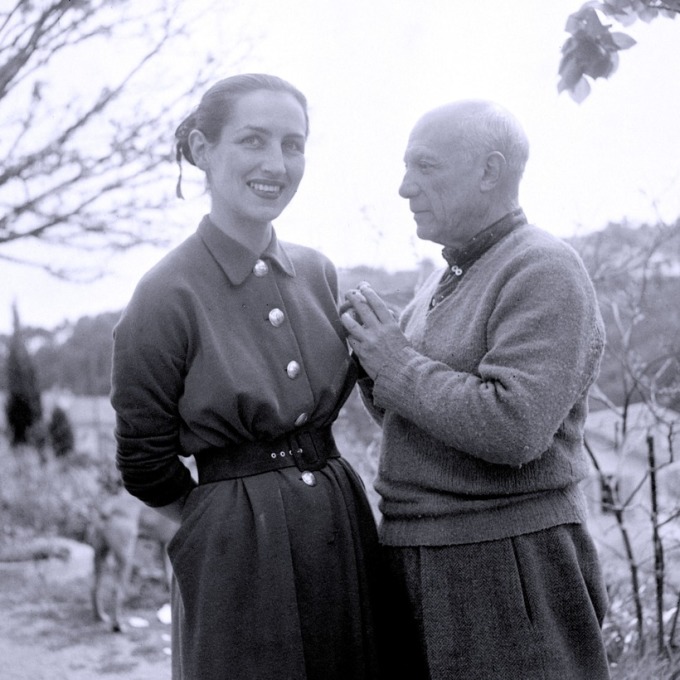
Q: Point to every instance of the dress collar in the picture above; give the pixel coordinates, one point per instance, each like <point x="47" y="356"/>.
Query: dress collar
<point x="460" y="259"/>
<point x="235" y="259"/>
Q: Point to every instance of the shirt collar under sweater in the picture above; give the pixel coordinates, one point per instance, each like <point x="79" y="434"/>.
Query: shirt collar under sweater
<point x="459" y="260"/>
<point x="235" y="259"/>
<point x="462" y="258"/>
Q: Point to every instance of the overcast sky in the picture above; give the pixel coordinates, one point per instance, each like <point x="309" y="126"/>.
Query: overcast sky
<point x="369" y="70"/>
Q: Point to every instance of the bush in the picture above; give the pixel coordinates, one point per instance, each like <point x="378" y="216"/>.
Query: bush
<point x="47" y="498"/>
<point x="61" y="432"/>
<point x="23" y="408"/>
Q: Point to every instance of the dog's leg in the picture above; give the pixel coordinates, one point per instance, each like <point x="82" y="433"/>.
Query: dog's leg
<point x="124" y="562"/>
<point x="100" y="553"/>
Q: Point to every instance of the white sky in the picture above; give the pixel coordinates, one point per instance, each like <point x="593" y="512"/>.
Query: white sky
<point x="369" y="69"/>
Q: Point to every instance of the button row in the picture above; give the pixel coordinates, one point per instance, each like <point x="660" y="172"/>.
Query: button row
<point x="276" y="319"/>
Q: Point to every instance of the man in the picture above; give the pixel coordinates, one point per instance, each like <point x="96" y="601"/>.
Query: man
<point x="481" y="390"/>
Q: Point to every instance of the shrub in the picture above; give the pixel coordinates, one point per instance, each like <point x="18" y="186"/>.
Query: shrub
<point x="61" y="432"/>
<point x="47" y="498"/>
<point x="23" y="407"/>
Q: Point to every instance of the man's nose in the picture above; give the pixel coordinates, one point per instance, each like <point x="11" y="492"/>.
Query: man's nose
<point x="407" y="189"/>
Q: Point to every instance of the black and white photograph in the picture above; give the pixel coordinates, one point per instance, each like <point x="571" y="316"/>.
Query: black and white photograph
<point x="340" y="340"/>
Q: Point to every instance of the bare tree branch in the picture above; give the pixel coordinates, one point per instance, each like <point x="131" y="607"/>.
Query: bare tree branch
<point x="84" y="167"/>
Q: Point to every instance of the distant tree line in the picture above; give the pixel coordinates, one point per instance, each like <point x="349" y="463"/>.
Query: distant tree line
<point x="636" y="272"/>
<point x="74" y="357"/>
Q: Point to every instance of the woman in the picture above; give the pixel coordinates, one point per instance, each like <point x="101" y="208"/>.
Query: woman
<point x="231" y="350"/>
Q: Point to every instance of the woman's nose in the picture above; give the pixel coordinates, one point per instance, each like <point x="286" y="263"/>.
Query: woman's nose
<point x="273" y="161"/>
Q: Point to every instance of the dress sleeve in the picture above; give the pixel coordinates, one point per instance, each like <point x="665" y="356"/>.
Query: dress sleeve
<point x="544" y="343"/>
<point x="150" y="344"/>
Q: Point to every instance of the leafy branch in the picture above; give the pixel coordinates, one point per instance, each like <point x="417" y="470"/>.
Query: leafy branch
<point x="592" y="50"/>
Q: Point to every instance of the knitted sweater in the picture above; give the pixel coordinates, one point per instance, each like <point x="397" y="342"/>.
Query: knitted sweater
<point x="483" y="412"/>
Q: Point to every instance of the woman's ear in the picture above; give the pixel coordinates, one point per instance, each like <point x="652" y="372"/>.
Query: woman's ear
<point x="199" y="149"/>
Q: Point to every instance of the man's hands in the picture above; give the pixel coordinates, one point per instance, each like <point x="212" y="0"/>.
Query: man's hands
<point x="373" y="332"/>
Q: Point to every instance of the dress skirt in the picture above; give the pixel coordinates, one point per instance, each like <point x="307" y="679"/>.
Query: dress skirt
<point x="277" y="579"/>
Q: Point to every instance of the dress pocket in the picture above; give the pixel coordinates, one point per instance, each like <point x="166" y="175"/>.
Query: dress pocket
<point x="197" y="503"/>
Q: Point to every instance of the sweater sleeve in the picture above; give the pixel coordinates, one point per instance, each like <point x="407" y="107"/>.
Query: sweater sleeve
<point x="148" y="363"/>
<point x="544" y="339"/>
<point x="366" y="391"/>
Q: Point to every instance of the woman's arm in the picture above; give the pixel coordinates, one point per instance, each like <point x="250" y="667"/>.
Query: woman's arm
<point x="147" y="381"/>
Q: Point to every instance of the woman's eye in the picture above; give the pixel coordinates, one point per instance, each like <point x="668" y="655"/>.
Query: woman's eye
<point x="253" y="140"/>
<point x="294" y="146"/>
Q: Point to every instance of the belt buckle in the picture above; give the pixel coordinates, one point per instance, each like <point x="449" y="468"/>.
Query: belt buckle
<point x="306" y="455"/>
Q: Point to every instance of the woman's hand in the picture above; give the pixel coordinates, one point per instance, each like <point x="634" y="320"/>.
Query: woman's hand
<point x="173" y="511"/>
<point x="373" y="332"/>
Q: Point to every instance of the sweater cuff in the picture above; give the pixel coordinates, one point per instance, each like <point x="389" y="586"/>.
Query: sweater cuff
<point x="395" y="381"/>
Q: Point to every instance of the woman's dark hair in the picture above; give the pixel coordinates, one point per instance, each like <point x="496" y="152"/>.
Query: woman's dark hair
<point x="216" y="107"/>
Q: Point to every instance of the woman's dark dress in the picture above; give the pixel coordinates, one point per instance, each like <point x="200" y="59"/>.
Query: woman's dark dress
<point x="220" y="346"/>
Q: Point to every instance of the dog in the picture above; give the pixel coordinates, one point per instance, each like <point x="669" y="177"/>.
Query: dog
<point x="113" y="534"/>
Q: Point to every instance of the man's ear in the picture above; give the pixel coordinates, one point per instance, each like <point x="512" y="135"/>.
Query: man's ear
<point x="199" y="149"/>
<point x="493" y="170"/>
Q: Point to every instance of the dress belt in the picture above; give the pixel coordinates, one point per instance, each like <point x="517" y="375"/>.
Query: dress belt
<point x="306" y="450"/>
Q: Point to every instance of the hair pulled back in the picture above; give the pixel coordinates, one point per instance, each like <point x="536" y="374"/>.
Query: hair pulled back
<point x="216" y="107"/>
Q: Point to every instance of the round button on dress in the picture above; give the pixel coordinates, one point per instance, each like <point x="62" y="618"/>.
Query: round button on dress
<point x="293" y="370"/>
<point x="308" y="478"/>
<point x="301" y="419"/>
<point x="261" y="268"/>
<point x="276" y="317"/>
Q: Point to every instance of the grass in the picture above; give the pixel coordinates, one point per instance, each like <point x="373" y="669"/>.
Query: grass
<point x="628" y="662"/>
<point x="52" y="498"/>
<point x="648" y="667"/>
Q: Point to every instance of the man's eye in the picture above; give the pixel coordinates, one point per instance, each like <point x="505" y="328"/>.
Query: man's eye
<point x="422" y="166"/>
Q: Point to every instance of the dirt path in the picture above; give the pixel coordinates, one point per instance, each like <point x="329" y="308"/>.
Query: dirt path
<point x="47" y="631"/>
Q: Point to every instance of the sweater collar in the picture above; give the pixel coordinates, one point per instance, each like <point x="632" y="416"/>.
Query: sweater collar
<point x="460" y="259"/>
<point x="235" y="259"/>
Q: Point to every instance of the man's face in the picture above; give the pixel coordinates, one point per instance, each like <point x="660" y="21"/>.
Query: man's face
<point x="441" y="183"/>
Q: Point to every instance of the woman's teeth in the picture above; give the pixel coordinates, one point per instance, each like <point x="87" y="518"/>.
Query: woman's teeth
<point x="272" y="189"/>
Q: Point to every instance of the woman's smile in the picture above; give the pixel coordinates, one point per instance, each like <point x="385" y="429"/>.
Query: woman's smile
<point x="267" y="190"/>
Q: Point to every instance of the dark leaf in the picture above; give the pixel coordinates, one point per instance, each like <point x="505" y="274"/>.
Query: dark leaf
<point x="594" y="60"/>
<point x="647" y="14"/>
<point x="581" y="91"/>
<point x="622" y="40"/>
<point x="571" y="72"/>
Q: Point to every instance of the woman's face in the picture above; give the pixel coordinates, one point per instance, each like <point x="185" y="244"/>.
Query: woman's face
<point x="256" y="166"/>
